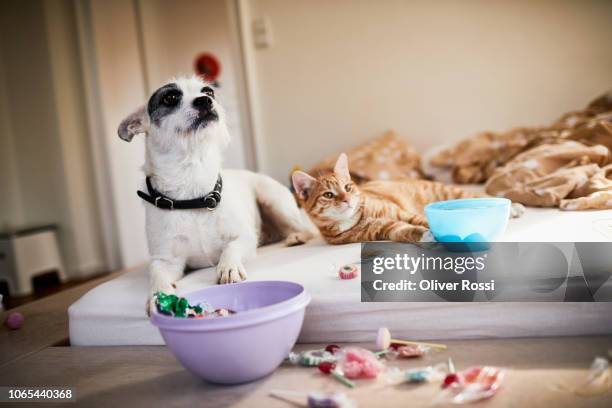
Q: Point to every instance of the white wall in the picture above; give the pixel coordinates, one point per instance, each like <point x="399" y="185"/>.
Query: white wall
<point x="340" y="72"/>
<point x="80" y="201"/>
<point x="11" y="211"/>
<point x="116" y="88"/>
<point x="44" y="146"/>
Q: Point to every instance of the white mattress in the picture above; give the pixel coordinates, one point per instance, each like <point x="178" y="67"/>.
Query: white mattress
<point x="113" y="313"/>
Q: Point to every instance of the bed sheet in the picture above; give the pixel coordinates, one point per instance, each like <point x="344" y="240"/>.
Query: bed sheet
<point x="114" y="312"/>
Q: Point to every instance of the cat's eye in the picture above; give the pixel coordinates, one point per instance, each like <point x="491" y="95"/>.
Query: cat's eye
<point x="208" y="91"/>
<point x="347" y="188"/>
<point x="328" y="194"/>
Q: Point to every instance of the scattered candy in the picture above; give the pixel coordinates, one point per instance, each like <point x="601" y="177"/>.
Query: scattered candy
<point x="172" y="305"/>
<point x="311" y="358"/>
<point x="329" y="367"/>
<point x="332" y="348"/>
<point x="349" y="271"/>
<point x="473" y="384"/>
<point x="14" y="320"/>
<point x="324" y="400"/>
<point x="597" y="382"/>
<point x="410" y="351"/>
<point x="451" y="378"/>
<point x="316" y="399"/>
<point x="339" y="375"/>
<point x="416" y="375"/>
<point x="384" y="341"/>
<point x="357" y="362"/>
<point x="389" y="354"/>
<point x="326" y="367"/>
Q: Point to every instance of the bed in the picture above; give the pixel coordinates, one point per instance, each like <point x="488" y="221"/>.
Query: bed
<point x="113" y="312"/>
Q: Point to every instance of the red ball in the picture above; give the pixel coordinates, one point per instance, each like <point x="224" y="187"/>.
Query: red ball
<point x="14" y="320"/>
<point x="332" y="348"/>
<point x="327" y="367"/>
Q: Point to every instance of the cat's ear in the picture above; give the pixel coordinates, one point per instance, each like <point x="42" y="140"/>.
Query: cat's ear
<point x="302" y="183"/>
<point x="341" y="169"/>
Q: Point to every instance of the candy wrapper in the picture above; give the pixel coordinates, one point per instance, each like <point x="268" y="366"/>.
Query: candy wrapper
<point x="315" y="399"/>
<point x="419" y="375"/>
<point x="402" y="351"/>
<point x="175" y="306"/>
<point x="471" y="385"/>
<point x="311" y="358"/>
<point x="394" y="348"/>
<point x="349" y="271"/>
<point x="355" y="362"/>
<point x="597" y="382"/>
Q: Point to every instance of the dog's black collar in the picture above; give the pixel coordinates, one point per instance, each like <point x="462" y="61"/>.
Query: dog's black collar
<point x="210" y="201"/>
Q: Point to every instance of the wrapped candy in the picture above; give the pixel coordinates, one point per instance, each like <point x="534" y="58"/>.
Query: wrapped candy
<point x="597" y="382"/>
<point x="471" y="385"/>
<point x="416" y="375"/>
<point x="316" y="399"/>
<point x="311" y="358"/>
<point x="404" y="351"/>
<point x="384" y="341"/>
<point x="14" y="320"/>
<point x="172" y="305"/>
<point x="349" y="271"/>
<point x="355" y="362"/>
<point x="411" y="351"/>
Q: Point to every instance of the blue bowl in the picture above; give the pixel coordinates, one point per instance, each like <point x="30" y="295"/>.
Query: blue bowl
<point x="470" y="220"/>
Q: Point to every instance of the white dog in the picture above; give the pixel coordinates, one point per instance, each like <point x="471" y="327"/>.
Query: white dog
<point x="198" y="215"/>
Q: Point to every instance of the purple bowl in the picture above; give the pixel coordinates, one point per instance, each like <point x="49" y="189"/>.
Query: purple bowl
<point x="241" y="347"/>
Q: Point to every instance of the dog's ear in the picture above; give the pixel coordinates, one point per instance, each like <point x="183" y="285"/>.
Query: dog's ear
<point x="302" y="183"/>
<point x="341" y="168"/>
<point x="136" y="123"/>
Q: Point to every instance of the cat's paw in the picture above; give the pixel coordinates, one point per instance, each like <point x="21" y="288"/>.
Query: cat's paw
<point x="517" y="210"/>
<point x="427" y="237"/>
<point x="230" y="272"/>
<point x="297" y="238"/>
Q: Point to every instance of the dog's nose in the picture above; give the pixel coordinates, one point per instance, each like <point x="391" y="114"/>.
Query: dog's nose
<point x="202" y="103"/>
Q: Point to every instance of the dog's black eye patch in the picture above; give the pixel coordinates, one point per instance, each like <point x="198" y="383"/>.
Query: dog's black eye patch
<point x="163" y="102"/>
<point x="208" y="91"/>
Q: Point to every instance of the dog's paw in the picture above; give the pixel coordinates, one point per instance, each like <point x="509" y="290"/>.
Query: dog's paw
<point x="228" y="272"/>
<point x="167" y="288"/>
<point x="517" y="210"/>
<point x="297" y="238"/>
<point x="150" y="305"/>
<point x="427" y="237"/>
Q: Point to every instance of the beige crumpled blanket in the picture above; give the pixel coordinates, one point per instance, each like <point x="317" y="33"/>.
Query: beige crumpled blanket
<point x="567" y="164"/>
<point x="387" y="157"/>
<point x="569" y="175"/>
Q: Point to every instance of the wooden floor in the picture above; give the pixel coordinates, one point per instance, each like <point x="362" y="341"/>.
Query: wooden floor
<point x="38" y="355"/>
<point x="46" y="285"/>
<point x="150" y="376"/>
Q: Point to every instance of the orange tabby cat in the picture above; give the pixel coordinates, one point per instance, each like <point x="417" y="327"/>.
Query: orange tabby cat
<point x="374" y="211"/>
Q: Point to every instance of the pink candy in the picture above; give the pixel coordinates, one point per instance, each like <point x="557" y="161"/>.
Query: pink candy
<point x="349" y="271"/>
<point x="14" y="320"/>
<point x="359" y="363"/>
